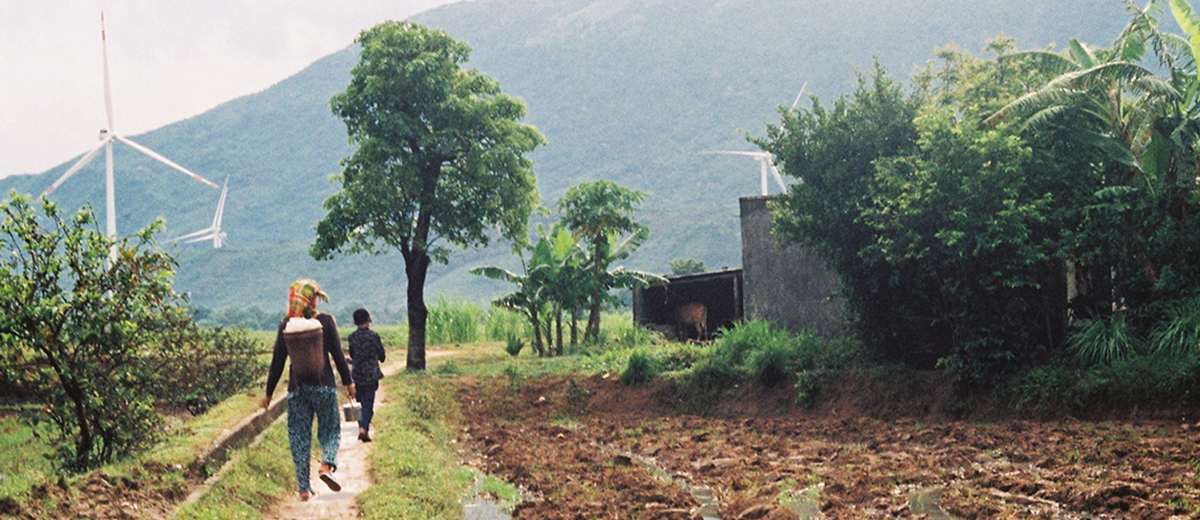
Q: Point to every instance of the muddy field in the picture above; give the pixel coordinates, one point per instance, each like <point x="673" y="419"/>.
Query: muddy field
<point x="596" y="448"/>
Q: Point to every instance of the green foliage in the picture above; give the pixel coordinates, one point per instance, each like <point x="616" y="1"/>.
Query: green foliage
<point x="808" y="386"/>
<point x="771" y="363"/>
<point x="502" y="324"/>
<point x="686" y="266"/>
<point x="454" y="321"/>
<point x="737" y="344"/>
<point x="641" y="368"/>
<point x="1178" y="333"/>
<point x="1103" y="339"/>
<point x="1064" y="387"/>
<point x="513" y="346"/>
<point x="598" y="212"/>
<point x="197" y="368"/>
<point x="251" y="317"/>
<point x="76" y="326"/>
<point x="440" y="157"/>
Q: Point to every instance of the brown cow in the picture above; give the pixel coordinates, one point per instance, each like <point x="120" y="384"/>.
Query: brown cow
<point x="691" y="316"/>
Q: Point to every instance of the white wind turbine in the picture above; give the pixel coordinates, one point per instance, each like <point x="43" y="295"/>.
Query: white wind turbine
<point x="214" y="231"/>
<point x="764" y="158"/>
<point x="766" y="165"/>
<point x="106" y="140"/>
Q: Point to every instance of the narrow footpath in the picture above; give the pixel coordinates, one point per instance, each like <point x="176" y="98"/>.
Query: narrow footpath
<point x="354" y="466"/>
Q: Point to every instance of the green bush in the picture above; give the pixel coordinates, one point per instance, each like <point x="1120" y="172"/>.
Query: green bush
<point x="771" y="364"/>
<point x="197" y="368"/>
<point x="737" y="343"/>
<point x="641" y="368"/>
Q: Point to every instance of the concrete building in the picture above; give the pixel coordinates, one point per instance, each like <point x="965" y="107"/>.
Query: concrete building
<point x="785" y="284"/>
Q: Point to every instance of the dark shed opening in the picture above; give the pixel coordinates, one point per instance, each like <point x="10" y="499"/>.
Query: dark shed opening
<point x="720" y="293"/>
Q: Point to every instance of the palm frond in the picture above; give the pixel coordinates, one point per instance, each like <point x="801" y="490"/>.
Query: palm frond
<point x="1043" y="61"/>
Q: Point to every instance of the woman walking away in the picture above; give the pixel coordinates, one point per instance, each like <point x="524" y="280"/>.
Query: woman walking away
<point x="310" y="339"/>
<point x="366" y="350"/>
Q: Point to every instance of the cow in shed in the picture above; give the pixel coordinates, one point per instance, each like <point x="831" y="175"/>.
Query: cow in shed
<point x="691" y="318"/>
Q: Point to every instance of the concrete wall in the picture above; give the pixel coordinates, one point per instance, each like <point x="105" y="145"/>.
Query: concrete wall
<point x="786" y="285"/>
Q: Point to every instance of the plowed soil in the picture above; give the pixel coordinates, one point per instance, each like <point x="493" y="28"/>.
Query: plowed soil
<point x="596" y="448"/>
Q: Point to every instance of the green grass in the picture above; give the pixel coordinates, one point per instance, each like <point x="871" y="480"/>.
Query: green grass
<point x="260" y="476"/>
<point x="23" y="461"/>
<point x="417" y="471"/>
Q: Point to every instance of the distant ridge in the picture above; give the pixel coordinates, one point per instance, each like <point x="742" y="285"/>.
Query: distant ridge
<point x="630" y="91"/>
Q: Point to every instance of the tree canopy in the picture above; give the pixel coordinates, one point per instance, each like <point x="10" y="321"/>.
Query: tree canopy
<point x="440" y="159"/>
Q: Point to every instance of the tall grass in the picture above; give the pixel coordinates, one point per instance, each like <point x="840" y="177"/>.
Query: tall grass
<point x="453" y="321"/>
<point x="1103" y="339"/>
<point x="501" y="324"/>
<point x="1179" y="331"/>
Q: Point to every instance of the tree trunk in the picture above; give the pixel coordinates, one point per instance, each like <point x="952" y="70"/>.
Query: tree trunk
<point x="558" y="329"/>
<point x="86" y="440"/>
<point x="416" y="265"/>
<point x="537" y="333"/>
<point x="593" y="325"/>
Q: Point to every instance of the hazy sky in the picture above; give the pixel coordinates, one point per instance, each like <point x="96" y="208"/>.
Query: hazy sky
<point x="167" y="61"/>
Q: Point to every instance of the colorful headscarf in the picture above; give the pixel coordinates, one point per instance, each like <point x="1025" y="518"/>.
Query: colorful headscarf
<point x="302" y="298"/>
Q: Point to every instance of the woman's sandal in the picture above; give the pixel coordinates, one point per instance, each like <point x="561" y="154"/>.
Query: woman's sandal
<point x="328" y="479"/>
<point x="305" y="497"/>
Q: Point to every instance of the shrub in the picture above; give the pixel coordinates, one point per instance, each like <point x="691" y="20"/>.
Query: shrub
<point x="80" y="312"/>
<point x="735" y="344"/>
<point x="807" y="388"/>
<point x="197" y="368"/>
<point x="771" y="364"/>
<point x="639" y="369"/>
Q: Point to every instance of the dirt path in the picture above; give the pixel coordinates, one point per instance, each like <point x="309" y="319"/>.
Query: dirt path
<point x="354" y="468"/>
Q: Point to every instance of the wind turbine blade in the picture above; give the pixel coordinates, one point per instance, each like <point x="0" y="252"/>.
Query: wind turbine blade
<point x="221" y="205"/>
<point x="208" y="236"/>
<point x="76" y="167"/>
<point x="192" y="235"/>
<point x="798" y="96"/>
<point x="154" y="155"/>
<point x="737" y="152"/>
<point x="107" y="91"/>
<point x="778" y="178"/>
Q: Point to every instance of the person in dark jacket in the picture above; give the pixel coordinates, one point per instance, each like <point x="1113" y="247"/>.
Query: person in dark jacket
<point x="366" y="350"/>
<point x="309" y="339"/>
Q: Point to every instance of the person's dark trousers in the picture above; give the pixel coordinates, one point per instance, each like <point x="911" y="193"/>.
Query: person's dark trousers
<point x="365" y="394"/>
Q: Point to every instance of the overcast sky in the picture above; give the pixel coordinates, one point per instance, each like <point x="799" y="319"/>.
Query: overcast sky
<point x="167" y="61"/>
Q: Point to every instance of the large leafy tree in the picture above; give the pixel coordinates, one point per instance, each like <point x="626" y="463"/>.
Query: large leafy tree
<point x="80" y="328"/>
<point x="595" y="211"/>
<point x="441" y="159"/>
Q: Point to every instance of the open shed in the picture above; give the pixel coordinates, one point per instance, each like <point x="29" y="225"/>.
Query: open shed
<point x="720" y="292"/>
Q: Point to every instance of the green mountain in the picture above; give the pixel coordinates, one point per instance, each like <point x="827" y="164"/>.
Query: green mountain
<point x="631" y="91"/>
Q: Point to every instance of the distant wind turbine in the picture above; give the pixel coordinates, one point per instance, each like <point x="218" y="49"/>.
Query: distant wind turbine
<point x="765" y="163"/>
<point x="106" y="139"/>
<point x="214" y="231"/>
